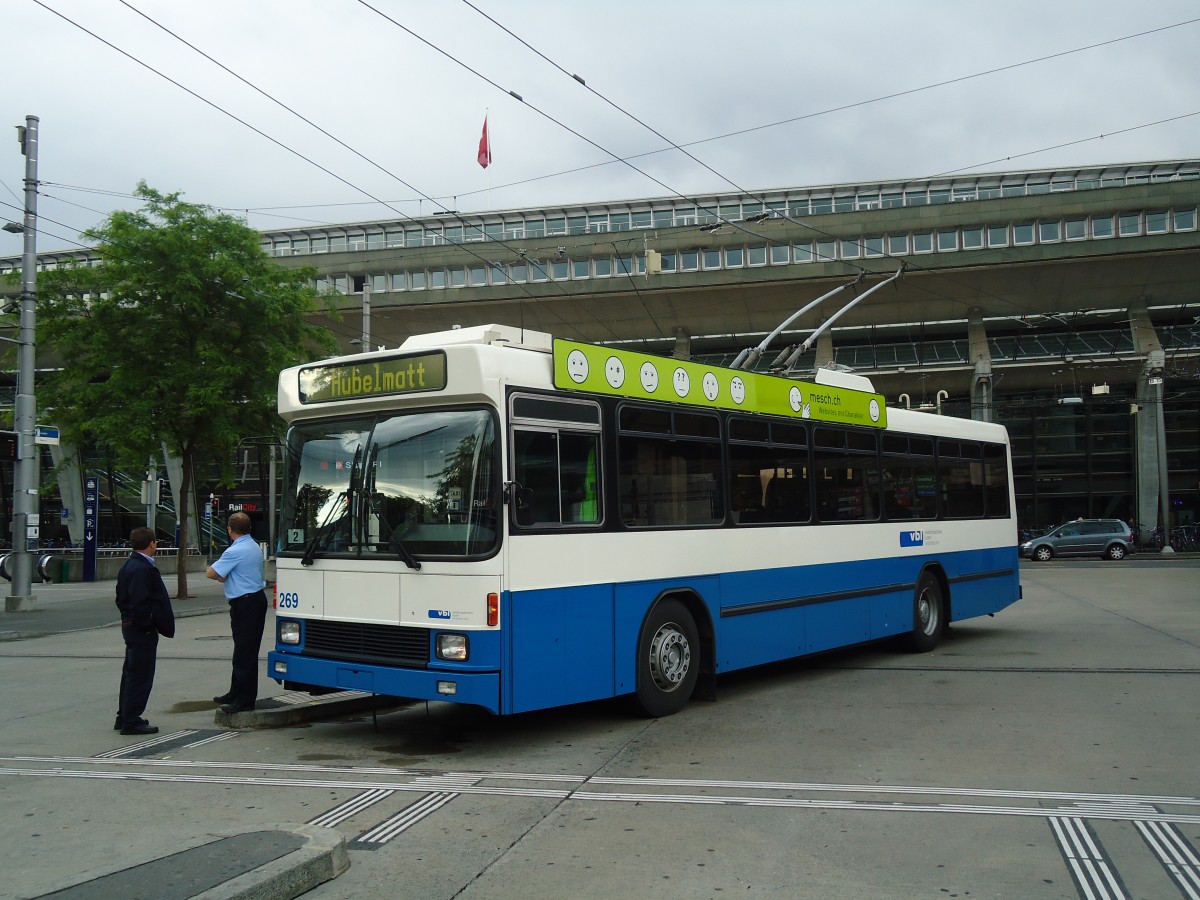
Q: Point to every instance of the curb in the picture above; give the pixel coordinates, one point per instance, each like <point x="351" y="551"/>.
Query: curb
<point x="322" y="858"/>
<point x="285" y="861"/>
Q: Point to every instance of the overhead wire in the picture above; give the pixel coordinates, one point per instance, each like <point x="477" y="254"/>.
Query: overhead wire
<point x="615" y="158"/>
<point x="581" y="81"/>
<point x="849" y="106"/>
<point x="762" y="199"/>
<point x="512" y="93"/>
<point x="466" y="248"/>
<point x="450" y="213"/>
<point x="42" y="231"/>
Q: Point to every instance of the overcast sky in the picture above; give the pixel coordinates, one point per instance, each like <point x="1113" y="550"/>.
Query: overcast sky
<point x="821" y="93"/>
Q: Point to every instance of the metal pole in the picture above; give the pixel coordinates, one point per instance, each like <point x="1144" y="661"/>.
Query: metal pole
<point x="812" y="338"/>
<point x="271" y="524"/>
<point x="151" y="494"/>
<point x="747" y="359"/>
<point x="366" y="316"/>
<point x="26" y="475"/>
<point x="1164" y="486"/>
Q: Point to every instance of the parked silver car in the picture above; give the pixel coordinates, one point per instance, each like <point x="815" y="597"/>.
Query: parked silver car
<point x="1107" y="538"/>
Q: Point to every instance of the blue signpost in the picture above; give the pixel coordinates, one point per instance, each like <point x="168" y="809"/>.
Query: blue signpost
<point x="91" y="501"/>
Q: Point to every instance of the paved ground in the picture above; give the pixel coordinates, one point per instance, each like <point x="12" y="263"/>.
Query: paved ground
<point x="276" y="862"/>
<point x="74" y="606"/>
<point x="275" y="859"/>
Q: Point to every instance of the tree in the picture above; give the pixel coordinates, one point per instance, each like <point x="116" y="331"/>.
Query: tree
<point x="177" y="336"/>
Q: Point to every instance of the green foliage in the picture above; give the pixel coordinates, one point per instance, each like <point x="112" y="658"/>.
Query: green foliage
<point x="178" y="335"/>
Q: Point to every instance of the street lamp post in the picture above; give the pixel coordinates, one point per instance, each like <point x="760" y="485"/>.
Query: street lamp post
<point x="26" y="475"/>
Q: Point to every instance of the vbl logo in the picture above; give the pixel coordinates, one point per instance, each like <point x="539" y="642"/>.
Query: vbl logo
<point x="912" y="539"/>
<point x="439" y="614"/>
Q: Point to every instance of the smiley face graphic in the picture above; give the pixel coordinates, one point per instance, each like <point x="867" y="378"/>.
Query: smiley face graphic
<point x="737" y="390"/>
<point x="681" y="382"/>
<point x="614" y="372"/>
<point x="796" y="399"/>
<point x="874" y="410"/>
<point x="649" y="376"/>
<point x="577" y="366"/>
<point x="710" y="386"/>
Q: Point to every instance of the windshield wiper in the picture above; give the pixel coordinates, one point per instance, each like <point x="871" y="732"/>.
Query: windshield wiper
<point x="310" y="549"/>
<point x="408" y="559"/>
<point x="368" y="491"/>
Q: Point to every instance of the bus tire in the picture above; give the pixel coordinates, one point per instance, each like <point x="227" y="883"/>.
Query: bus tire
<point x="668" y="659"/>
<point x="929" y="613"/>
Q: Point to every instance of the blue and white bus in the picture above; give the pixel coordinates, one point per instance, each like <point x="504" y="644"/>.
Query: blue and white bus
<point x="493" y="517"/>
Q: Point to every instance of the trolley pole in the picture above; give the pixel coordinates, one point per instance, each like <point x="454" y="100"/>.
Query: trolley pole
<point x="26" y="475"/>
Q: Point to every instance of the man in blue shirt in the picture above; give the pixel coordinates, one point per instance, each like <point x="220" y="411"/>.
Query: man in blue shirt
<point x="240" y="569"/>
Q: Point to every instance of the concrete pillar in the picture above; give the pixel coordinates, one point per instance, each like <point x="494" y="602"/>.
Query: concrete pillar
<point x="683" y="343"/>
<point x="1151" y="438"/>
<point x="824" y="359"/>
<point x="980" y="354"/>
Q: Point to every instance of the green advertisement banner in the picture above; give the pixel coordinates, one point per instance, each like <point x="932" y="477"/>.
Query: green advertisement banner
<point x="640" y="376"/>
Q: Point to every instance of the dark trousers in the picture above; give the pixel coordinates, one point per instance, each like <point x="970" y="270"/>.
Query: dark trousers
<point x="137" y="674"/>
<point x="247" y="618"/>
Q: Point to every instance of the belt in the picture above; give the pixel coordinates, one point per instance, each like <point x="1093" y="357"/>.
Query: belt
<point x="244" y="596"/>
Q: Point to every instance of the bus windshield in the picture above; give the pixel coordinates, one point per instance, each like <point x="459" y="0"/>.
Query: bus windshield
<point x="414" y="484"/>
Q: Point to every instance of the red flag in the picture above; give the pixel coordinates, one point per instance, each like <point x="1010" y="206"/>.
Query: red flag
<point x="485" y="148"/>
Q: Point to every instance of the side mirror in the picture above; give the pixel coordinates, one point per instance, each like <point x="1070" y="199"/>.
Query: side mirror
<point x="521" y="499"/>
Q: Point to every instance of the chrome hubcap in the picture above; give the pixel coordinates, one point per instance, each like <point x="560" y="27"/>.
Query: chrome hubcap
<point x="926" y="613"/>
<point x="670" y="657"/>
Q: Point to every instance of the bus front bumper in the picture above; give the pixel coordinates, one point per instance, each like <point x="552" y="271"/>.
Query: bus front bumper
<point x="475" y="688"/>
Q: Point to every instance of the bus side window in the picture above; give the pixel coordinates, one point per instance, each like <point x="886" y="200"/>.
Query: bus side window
<point x="558" y="476"/>
<point x="580" y="479"/>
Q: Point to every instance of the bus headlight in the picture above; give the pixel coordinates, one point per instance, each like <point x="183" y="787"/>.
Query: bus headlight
<point x="453" y="646"/>
<point x="289" y="632"/>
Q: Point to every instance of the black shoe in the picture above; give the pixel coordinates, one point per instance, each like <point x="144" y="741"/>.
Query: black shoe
<point x="117" y="724"/>
<point x="232" y="708"/>
<point x="142" y="727"/>
<point x="224" y="698"/>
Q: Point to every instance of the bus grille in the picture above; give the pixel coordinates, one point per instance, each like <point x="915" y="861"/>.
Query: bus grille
<point x="393" y="645"/>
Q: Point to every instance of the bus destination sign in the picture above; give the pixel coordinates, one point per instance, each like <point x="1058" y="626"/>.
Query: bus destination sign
<point x="373" y="378"/>
<point x="622" y="373"/>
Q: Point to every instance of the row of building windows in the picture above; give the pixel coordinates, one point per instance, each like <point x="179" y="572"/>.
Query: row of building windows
<point x="666" y="213"/>
<point x="946" y="240"/>
<point x="519" y="226"/>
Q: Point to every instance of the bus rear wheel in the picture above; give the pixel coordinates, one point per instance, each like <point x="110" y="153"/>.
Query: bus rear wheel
<point x="929" y="614"/>
<point x="668" y="660"/>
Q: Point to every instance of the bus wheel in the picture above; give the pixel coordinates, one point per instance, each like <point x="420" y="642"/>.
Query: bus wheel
<point x="929" y="610"/>
<point x="668" y="661"/>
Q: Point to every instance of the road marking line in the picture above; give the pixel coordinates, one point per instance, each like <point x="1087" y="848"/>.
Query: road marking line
<point x="351" y="807"/>
<point x="1083" y="855"/>
<point x="402" y="821"/>
<point x="1175" y="854"/>
<point x="142" y="745"/>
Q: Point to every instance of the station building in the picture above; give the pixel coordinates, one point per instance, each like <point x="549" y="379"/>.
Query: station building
<point x="1064" y="304"/>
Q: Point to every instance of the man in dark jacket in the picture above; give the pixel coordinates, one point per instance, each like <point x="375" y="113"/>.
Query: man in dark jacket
<point x="145" y="614"/>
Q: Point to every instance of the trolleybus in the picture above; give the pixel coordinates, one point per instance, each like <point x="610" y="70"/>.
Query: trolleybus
<point x="493" y="517"/>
